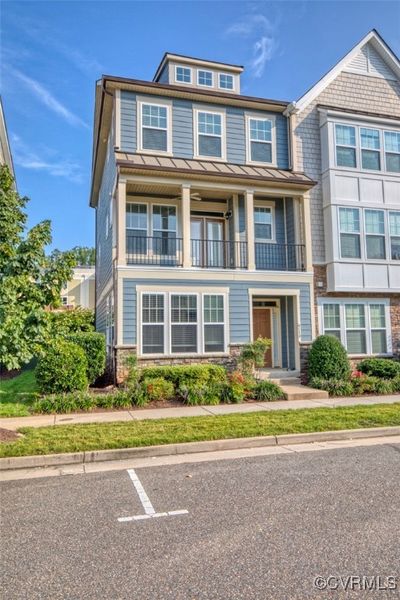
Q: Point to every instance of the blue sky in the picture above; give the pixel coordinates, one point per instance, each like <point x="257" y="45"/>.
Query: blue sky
<point x="54" y="51"/>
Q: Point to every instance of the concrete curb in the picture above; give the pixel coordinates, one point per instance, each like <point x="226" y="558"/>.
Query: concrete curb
<point x="94" y="456"/>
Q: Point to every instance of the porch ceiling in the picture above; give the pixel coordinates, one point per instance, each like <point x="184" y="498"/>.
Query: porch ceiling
<point x="171" y="191"/>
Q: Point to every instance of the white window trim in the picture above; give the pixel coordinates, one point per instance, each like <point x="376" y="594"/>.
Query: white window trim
<point x="205" y="85"/>
<point x="222" y="114"/>
<point x="176" y="74"/>
<point x="383" y="235"/>
<point x="359" y="233"/>
<point x="164" y="104"/>
<point x="271" y="207"/>
<point x="149" y="232"/>
<point x="272" y="142"/>
<point x="388" y="151"/>
<point x="366" y="302"/>
<point x="199" y="293"/>
<point x="232" y="89"/>
<point x="378" y="150"/>
<point x="346" y="145"/>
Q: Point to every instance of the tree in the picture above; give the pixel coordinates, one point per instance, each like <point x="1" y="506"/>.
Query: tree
<point x="85" y="256"/>
<point x="30" y="281"/>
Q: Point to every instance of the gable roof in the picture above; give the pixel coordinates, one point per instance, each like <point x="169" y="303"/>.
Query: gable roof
<point x="353" y="61"/>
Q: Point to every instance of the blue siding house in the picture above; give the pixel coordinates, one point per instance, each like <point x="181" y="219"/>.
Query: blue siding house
<point x="202" y="226"/>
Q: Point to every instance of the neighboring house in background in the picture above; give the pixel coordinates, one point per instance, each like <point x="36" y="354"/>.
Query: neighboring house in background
<point x="80" y="290"/>
<point x="5" y="151"/>
<point x="346" y="132"/>
<point x="203" y="232"/>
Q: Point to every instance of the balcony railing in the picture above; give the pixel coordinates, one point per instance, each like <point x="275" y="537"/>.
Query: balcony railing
<point x="279" y="257"/>
<point x="156" y="251"/>
<point x="219" y="254"/>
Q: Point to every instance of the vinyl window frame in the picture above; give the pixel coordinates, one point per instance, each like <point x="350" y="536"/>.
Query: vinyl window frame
<point x="386" y="152"/>
<point x="252" y="117"/>
<point x="360" y="226"/>
<point x="221" y="87"/>
<point x="271" y="208"/>
<point x="367" y="234"/>
<point x="187" y="68"/>
<point x="365" y="148"/>
<point x="391" y="235"/>
<point x="205" y="85"/>
<point x="167" y="104"/>
<point x="196" y="134"/>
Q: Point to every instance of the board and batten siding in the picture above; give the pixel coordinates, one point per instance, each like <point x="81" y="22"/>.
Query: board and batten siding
<point x="182" y="129"/>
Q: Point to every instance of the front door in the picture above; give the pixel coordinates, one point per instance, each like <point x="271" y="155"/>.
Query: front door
<point x="262" y="326"/>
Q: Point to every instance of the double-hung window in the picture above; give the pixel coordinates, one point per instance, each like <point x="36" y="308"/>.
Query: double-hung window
<point x="356" y="329"/>
<point x="394" y="228"/>
<point x="225" y="81"/>
<point x="263" y="224"/>
<point x="370" y="149"/>
<point x="345" y="146"/>
<point x="210" y="134"/>
<point x="164" y="230"/>
<point x="375" y="233"/>
<point x="153" y="321"/>
<point x="183" y="323"/>
<point x="378" y="328"/>
<point x="349" y="225"/>
<point x="392" y="151"/>
<point x="136" y="228"/>
<point x="183" y="74"/>
<point x="260" y="140"/>
<point x="214" y="327"/>
<point x="154" y="133"/>
<point x="332" y="319"/>
<point x="205" y="78"/>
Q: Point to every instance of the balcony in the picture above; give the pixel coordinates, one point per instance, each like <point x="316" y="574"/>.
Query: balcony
<point x="218" y="254"/>
<point x="279" y="257"/>
<point x="154" y="251"/>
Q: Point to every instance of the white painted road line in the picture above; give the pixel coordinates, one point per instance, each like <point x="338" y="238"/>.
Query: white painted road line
<point x="149" y="510"/>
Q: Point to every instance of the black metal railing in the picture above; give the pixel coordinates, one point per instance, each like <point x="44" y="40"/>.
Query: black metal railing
<point x="153" y="250"/>
<point x="219" y="254"/>
<point x="279" y="257"/>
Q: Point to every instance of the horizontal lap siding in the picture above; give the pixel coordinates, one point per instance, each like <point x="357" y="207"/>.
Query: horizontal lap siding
<point x="129" y="308"/>
<point x="282" y="157"/>
<point x="101" y="316"/>
<point x="128" y="121"/>
<point x="182" y="129"/>
<point x="235" y="136"/>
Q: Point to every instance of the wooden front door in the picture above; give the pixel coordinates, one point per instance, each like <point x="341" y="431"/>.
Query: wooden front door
<point x="262" y="318"/>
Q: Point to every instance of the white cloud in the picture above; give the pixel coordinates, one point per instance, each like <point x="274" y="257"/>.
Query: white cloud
<point x="260" y="31"/>
<point x="47" y="98"/>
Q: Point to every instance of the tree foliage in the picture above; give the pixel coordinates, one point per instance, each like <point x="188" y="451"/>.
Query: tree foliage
<point x="85" y="256"/>
<point x="29" y="280"/>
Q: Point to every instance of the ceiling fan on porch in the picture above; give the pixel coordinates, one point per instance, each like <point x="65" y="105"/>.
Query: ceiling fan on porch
<point x="195" y="196"/>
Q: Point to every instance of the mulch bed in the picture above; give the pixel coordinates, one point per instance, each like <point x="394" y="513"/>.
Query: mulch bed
<point x="6" y="435"/>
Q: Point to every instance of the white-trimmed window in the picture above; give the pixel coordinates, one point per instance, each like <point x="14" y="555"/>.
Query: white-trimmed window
<point x="225" y="81"/>
<point x="210" y="134"/>
<point x="260" y="146"/>
<point x="263" y="224"/>
<point x="205" y="78"/>
<point x="346" y="147"/>
<point x="164" y="230"/>
<point x="394" y="229"/>
<point x="370" y="149"/>
<point x="349" y="227"/>
<point x="375" y="234"/>
<point x="183" y="74"/>
<point x="214" y="323"/>
<point x="136" y="228"/>
<point x="154" y="127"/>
<point x="64" y="300"/>
<point x="392" y="151"/>
<point x="184" y="316"/>
<point x="361" y="326"/>
<point x="153" y="320"/>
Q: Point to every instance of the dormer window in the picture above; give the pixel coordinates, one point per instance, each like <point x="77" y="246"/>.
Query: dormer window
<point x="205" y="78"/>
<point x="225" y="81"/>
<point x="154" y="128"/>
<point x="183" y="74"/>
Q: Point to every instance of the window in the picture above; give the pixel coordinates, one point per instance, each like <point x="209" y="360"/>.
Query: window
<point x="183" y="74"/>
<point x="345" y="146"/>
<point x="152" y="323"/>
<point x="263" y="224"/>
<point x="370" y="149"/>
<point x="205" y="78"/>
<point x="260" y="140"/>
<point x="349" y="223"/>
<point x="183" y="323"/>
<point x="136" y="228"/>
<point x="392" y="151"/>
<point x="213" y="307"/>
<point x="209" y="130"/>
<point x="164" y="230"/>
<point x="64" y="300"/>
<point x="154" y="128"/>
<point x="394" y="228"/>
<point x="361" y="326"/>
<point x="375" y="233"/>
<point x="225" y="81"/>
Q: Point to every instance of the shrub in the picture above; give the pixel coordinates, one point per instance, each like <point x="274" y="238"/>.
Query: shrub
<point x="183" y="375"/>
<point x="64" y="403"/>
<point x="194" y="394"/>
<point x="64" y="322"/>
<point x="335" y="387"/>
<point x="267" y="391"/>
<point x="383" y="386"/>
<point x="237" y="388"/>
<point x="380" y="367"/>
<point x="62" y="368"/>
<point x="94" y="346"/>
<point x="252" y="354"/>
<point x="327" y="359"/>
<point x="158" y="389"/>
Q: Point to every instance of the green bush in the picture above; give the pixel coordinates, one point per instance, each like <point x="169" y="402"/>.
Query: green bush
<point x="62" y="368"/>
<point x="396" y="384"/>
<point x="267" y="391"/>
<point x="182" y="375"/>
<point x="64" y="403"/>
<point x="158" y="389"/>
<point x="385" y="368"/>
<point x="335" y="387"/>
<point x="327" y="359"/>
<point x="118" y="399"/>
<point x="63" y="322"/>
<point x="94" y="346"/>
<point x="195" y="394"/>
<point x="252" y="355"/>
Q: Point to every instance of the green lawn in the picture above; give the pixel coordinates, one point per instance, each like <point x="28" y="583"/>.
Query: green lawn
<point x="72" y="438"/>
<point x="17" y="394"/>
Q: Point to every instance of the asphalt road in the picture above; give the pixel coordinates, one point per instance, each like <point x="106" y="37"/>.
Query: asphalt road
<point x="257" y="528"/>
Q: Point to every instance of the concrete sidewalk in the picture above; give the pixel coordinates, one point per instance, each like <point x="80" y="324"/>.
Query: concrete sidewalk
<point x="187" y="411"/>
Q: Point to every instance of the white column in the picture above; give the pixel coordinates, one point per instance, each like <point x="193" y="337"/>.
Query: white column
<point x="185" y="212"/>
<point x="121" y="224"/>
<point x="306" y="207"/>
<point x="249" y="209"/>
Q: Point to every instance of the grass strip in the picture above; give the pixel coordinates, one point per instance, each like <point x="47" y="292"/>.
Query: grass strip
<point x="101" y="436"/>
<point x="17" y="394"/>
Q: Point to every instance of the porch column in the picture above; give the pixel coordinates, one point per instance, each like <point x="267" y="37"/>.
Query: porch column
<point x="306" y="213"/>
<point x="121" y="223"/>
<point x="249" y="209"/>
<point x="185" y="208"/>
